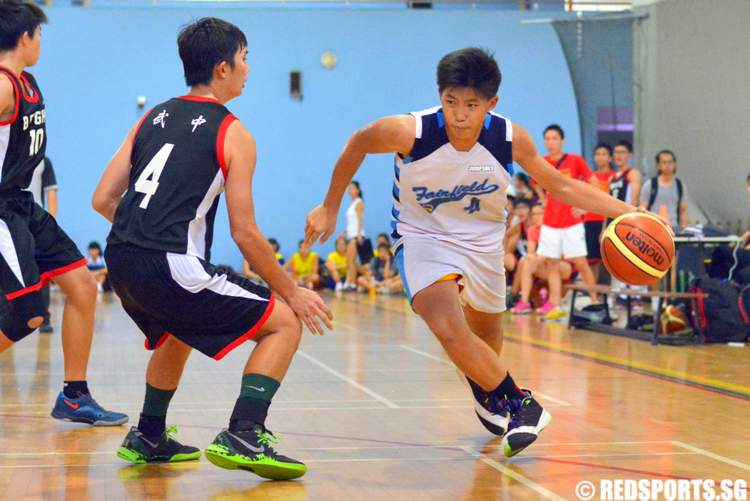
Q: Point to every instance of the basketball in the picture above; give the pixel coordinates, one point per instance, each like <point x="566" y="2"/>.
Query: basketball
<point x="673" y="319"/>
<point x="637" y="248"/>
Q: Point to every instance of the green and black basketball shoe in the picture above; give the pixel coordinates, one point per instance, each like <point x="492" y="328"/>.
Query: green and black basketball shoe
<point x="253" y="451"/>
<point x="527" y="420"/>
<point x="139" y="449"/>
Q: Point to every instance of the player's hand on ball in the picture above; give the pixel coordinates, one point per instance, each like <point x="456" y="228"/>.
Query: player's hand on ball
<point x="311" y="310"/>
<point x="321" y="222"/>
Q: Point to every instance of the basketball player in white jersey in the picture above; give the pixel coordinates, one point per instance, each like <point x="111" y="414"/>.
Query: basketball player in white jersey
<point x="453" y="166"/>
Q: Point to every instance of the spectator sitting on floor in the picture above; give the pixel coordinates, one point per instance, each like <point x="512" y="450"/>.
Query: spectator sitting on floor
<point x="304" y="266"/>
<point x="533" y="267"/>
<point x="383" y="274"/>
<point x="336" y="264"/>
<point x="383" y="239"/>
<point x="277" y="250"/>
<point x="96" y="265"/>
<point x="522" y="188"/>
<point x="516" y="240"/>
<point x="248" y="271"/>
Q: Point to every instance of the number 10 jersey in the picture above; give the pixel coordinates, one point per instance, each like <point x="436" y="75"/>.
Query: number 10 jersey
<point x="22" y="136"/>
<point x="177" y="175"/>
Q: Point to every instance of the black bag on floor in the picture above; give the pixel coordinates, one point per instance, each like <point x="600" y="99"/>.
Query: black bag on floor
<point x="722" y="316"/>
<point x="593" y="313"/>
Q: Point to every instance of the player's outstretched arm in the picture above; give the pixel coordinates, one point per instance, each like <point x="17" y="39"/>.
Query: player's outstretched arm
<point x="570" y="191"/>
<point x="239" y="152"/>
<point x="114" y="181"/>
<point x="394" y="134"/>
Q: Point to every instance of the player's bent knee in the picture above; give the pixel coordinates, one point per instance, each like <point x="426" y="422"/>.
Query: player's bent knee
<point x="283" y="321"/>
<point x="26" y="316"/>
<point x="35" y="322"/>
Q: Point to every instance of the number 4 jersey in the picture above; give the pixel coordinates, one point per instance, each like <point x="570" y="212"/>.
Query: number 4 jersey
<point x="177" y="174"/>
<point x="22" y="136"/>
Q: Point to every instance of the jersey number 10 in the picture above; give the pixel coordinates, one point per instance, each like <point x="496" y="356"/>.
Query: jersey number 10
<point x="148" y="181"/>
<point x="37" y="139"/>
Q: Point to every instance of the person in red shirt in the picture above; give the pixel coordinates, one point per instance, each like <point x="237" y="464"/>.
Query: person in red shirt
<point x="562" y="234"/>
<point x="593" y="223"/>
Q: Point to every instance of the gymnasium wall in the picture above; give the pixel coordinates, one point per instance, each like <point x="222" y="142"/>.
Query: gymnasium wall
<point x="691" y="59"/>
<point x="95" y="62"/>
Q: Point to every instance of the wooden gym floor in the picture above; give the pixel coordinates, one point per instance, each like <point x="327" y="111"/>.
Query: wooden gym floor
<point x="377" y="412"/>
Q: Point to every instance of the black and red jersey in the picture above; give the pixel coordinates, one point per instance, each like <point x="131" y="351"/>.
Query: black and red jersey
<point x="23" y="137"/>
<point x="177" y="175"/>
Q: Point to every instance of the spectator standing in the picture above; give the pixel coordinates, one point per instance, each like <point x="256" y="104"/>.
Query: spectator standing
<point x="358" y="246"/>
<point x="562" y="234"/>
<point x="665" y="194"/>
<point x="594" y="223"/>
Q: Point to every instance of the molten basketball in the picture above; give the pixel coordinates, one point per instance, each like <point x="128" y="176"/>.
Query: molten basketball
<point x="637" y="248"/>
<point x="672" y="319"/>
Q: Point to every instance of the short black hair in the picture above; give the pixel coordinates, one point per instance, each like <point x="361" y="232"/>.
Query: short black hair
<point x="302" y="241"/>
<point x="606" y="146"/>
<point x="206" y="43"/>
<point x="666" y="152"/>
<point x="274" y="243"/>
<point x="522" y="201"/>
<point x="16" y="18"/>
<point x="95" y="245"/>
<point x="472" y="67"/>
<point x="626" y="144"/>
<point x="525" y="179"/>
<point x="556" y="128"/>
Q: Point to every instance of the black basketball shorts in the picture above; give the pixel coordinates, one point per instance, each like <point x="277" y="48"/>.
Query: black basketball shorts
<point x="207" y="308"/>
<point x="593" y="232"/>
<point x="33" y="248"/>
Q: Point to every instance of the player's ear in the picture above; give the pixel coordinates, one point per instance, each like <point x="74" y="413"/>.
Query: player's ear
<point x="222" y="69"/>
<point x="493" y="102"/>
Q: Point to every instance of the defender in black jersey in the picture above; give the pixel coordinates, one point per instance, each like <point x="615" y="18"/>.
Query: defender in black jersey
<point x="33" y="248"/>
<point x="174" y="164"/>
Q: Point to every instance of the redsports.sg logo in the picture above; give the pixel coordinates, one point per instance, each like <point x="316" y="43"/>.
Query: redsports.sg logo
<point x="657" y="489"/>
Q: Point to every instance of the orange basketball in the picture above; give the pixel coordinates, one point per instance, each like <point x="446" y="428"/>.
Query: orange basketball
<point x="637" y="248"/>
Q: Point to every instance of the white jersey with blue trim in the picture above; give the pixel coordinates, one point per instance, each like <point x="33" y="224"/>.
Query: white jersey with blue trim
<point x="450" y="195"/>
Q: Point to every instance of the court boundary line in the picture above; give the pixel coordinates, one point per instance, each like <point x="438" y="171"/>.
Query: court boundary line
<point x="544" y="396"/>
<point x="706" y="384"/>
<point x="380" y="398"/>
<point x="506" y="471"/>
<point x="712" y="455"/>
<point x="393" y="448"/>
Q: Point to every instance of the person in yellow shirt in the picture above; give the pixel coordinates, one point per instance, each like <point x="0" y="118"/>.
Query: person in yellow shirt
<point x="336" y="263"/>
<point x="248" y="271"/>
<point x="304" y="266"/>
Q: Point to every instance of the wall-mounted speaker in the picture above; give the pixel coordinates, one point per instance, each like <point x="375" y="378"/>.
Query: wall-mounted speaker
<point x="295" y="85"/>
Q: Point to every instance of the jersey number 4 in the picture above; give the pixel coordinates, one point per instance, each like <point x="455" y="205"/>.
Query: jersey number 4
<point x="148" y="181"/>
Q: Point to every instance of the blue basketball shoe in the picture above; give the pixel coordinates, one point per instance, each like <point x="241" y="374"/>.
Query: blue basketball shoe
<point x="84" y="409"/>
